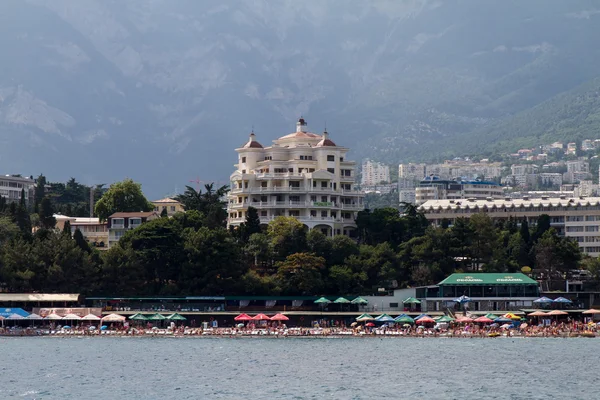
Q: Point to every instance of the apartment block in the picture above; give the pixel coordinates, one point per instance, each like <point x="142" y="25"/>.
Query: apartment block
<point x="12" y="186"/>
<point x="374" y="173"/>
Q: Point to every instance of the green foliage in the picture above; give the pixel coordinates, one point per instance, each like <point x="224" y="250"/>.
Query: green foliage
<point x="47" y="220"/>
<point x="125" y="196"/>
<point x="211" y="204"/>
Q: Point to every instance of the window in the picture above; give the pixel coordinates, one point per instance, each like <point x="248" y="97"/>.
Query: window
<point x="313" y="213"/>
<point x="135" y="222"/>
<point x="332" y="170"/>
<point x="243" y="159"/>
<point x="323" y="214"/>
<point x="263" y="213"/>
<point x="330" y="158"/>
<point x="341" y="159"/>
<point x="118" y="223"/>
<point x="324" y="199"/>
<point x="393" y="305"/>
<point x="324" y="184"/>
<point x="268" y="158"/>
<point x="172" y="208"/>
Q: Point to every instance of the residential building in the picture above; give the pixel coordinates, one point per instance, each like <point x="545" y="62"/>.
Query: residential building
<point x="586" y="188"/>
<point x="576" y="217"/>
<point x="302" y="175"/>
<point x="407" y="196"/>
<point x="571" y="148"/>
<point x="551" y="178"/>
<point x="588" y="144"/>
<point x="524" y="169"/>
<point x="578" y="166"/>
<point x="94" y="231"/>
<point x="172" y="206"/>
<point x="380" y="189"/>
<point x="412" y="171"/>
<point x="12" y="186"/>
<point x="121" y="222"/>
<point x="374" y="173"/>
<point x="433" y="188"/>
<point x="487" y="291"/>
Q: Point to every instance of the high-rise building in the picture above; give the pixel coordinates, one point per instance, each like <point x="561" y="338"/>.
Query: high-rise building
<point x="302" y="175"/>
<point x="373" y="173"/>
<point x="12" y="186"/>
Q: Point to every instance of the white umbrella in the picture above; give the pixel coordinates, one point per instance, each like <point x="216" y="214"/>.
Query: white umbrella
<point x="71" y="317"/>
<point x="15" y="317"/>
<point x="53" y="316"/>
<point x="34" y="317"/>
<point x="113" y="318"/>
<point x="90" y="317"/>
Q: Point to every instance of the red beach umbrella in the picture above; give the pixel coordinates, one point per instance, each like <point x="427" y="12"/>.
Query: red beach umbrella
<point x="483" y="319"/>
<point x="464" y="320"/>
<point x="243" y="317"/>
<point x="370" y="324"/>
<point x="261" y="317"/>
<point x="279" y="317"/>
<point x="425" y="320"/>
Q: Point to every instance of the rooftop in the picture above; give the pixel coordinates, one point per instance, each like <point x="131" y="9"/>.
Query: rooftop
<point x="165" y="200"/>
<point x="133" y="214"/>
<point x="510" y="203"/>
<point x="488" y="279"/>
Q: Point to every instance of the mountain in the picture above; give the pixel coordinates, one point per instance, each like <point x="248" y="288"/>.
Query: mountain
<point x="162" y="91"/>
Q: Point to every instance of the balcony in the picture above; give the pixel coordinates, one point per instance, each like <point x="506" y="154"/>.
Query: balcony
<point x="279" y="175"/>
<point x="295" y="204"/>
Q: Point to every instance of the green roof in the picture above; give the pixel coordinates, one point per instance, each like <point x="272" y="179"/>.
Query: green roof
<point x="488" y="279"/>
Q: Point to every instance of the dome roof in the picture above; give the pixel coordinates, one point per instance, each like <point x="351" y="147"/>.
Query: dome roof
<point x="326" y="142"/>
<point x="307" y="135"/>
<point x="252" y="143"/>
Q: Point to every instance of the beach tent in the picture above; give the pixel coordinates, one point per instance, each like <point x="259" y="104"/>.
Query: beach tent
<point x="138" y="317"/>
<point x="411" y="300"/>
<point x="404" y="319"/>
<point x="364" y="317"/>
<point x="543" y="300"/>
<point x="562" y="300"/>
<point x="463" y="299"/>
<point x="243" y="317"/>
<point x="279" y="317"/>
<point x="7" y="312"/>
<point x="176" y="317"/>
<point x="359" y="300"/>
<point x="53" y="317"/>
<point x="322" y="300"/>
<point x="384" y="318"/>
<point x="156" y="317"/>
<point x="261" y="317"/>
<point x="115" y="318"/>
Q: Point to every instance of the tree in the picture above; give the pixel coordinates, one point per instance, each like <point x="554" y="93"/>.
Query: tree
<point x="485" y="238"/>
<point x="555" y="255"/>
<point x="287" y="236"/>
<point x="21" y="215"/>
<point x="525" y="234"/>
<point x="125" y="196"/>
<point x="543" y="224"/>
<point x="164" y="213"/>
<point x="300" y="274"/>
<point x="211" y="204"/>
<point x="80" y="240"/>
<point x="40" y="189"/>
<point x="8" y="230"/>
<point x="47" y="220"/>
<point x="67" y="229"/>
<point x="252" y="224"/>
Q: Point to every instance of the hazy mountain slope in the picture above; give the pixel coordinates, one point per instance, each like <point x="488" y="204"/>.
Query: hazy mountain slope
<point x="162" y="91"/>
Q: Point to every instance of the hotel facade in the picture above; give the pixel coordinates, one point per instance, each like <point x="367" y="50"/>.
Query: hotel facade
<point x="576" y="218"/>
<point x="302" y="175"/>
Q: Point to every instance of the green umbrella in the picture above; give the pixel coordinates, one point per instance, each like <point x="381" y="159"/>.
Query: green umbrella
<point x="176" y="317"/>
<point x="491" y="316"/>
<point x="322" y="300"/>
<point x="404" y="319"/>
<point x="138" y="317"/>
<point x="411" y="300"/>
<point x="445" y="318"/>
<point x="342" y="300"/>
<point x="156" y="317"/>
<point x="359" y="300"/>
<point x="364" y="317"/>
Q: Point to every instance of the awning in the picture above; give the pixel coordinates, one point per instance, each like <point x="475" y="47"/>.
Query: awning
<point x="7" y="312"/>
<point x="33" y="297"/>
<point x="488" y="279"/>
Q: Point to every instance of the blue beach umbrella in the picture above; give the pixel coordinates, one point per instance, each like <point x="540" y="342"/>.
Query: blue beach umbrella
<point x="384" y="318"/>
<point x="463" y="299"/>
<point x="103" y="327"/>
<point x="543" y="300"/>
<point x="562" y="300"/>
<point x="502" y="319"/>
<point x="422" y="316"/>
<point x="66" y="327"/>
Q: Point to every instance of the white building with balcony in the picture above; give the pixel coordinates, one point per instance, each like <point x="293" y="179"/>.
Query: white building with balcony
<point x="119" y="223"/>
<point x="301" y="175"/>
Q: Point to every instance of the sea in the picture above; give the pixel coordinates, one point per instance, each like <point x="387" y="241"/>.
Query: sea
<point x="298" y="368"/>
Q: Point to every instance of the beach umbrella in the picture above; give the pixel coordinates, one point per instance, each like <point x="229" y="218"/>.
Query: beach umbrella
<point x="354" y="324"/>
<point x="463" y="299"/>
<point x="53" y="317"/>
<point x="591" y="311"/>
<point x="445" y="318"/>
<point x="404" y="319"/>
<point x="103" y="327"/>
<point x="243" y="317"/>
<point x="15" y="317"/>
<point x="279" y="317"/>
<point x="364" y="317"/>
<point x="384" y="318"/>
<point x="506" y="326"/>
<point x="33" y="317"/>
<point x="322" y="300"/>
<point x="261" y="317"/>
<point x="71" y="317"/>
<point x="464" y="319"/>
<point x="562" y="300"/>
<point x="543" y="300"/>
<point x="511" y="316"/>
<point x="502" y="319"/>
<point x="115" y="318"/>
<point x="537" y="314"/>
<point x="557" y="312"/>
<point x="359" y="300"/>
<point x="411" y="300"/>
<point x="176" y="317"/>
<point x="66" y="327"/>
<point x="484" y="320"/>
<point x="370" y="324"/>
<point x="138" y="317"/>
<point x="156" y="317"/>
<point x="491" y="316"/>
<point x="90" y="317"/>
<point x="421" y="316"/>
<point x="425" y="320"/>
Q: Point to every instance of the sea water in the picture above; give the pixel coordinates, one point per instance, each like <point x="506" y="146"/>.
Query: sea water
<point x="298" y="368"/>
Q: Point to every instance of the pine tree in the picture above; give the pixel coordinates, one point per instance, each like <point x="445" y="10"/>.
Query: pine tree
<point x="81" y="242"/>
<point x="67" y="229"/>
<point x="525" y="231"/>
<point x="47" y="220"/>
<point x="21" y="215"/>
<point x="164" y="213"/>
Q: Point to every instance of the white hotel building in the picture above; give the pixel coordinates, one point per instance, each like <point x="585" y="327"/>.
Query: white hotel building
<point x="302" y="175"/>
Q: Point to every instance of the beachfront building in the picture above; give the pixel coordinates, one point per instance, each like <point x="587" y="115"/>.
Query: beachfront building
<point x="577" y="218"/>
<point x="11" y="188"/>
<point x="169" y="204"/>
<point x="487" y="292"/>
<point x="119" y="223"/>
<point x="434" y="188"/>
<point x="301" y="175"/>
